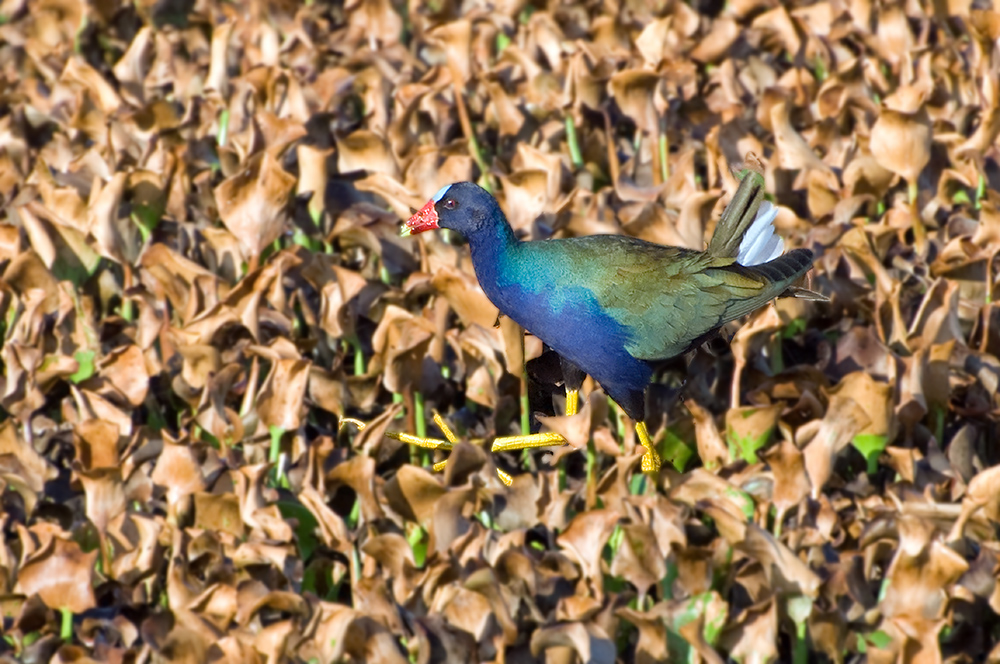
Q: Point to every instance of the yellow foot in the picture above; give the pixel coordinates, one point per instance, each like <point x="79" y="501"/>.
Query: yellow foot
<point x="533" y="440"/>
<point x="650" y="460"/>
<point x="438" y="444"/>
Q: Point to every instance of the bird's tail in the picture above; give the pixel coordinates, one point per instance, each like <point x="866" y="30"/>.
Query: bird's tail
<point x="761" y="244"/>
<point x="747" y="217"/>
<point x="778" y="276"/>
<point x="746" y="230"/>
<point x="785" y="269"/>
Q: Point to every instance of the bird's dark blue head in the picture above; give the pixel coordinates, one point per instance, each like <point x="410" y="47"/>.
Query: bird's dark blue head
<point x="464" y="207"/>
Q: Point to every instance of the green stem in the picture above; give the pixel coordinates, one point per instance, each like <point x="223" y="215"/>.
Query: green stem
<point x="276" y="457"/>
<point x="355" y="515"/>
<point x="664" y="151"/>
<point x="872" y="460"/>
<point x="223" y="127"/>
<point x="355" y="563"/>
<point x="980" y="191"/>
<point x="78" y="36"/>
<point x="128" y="307"/>
<point x="939" y="415"/>
<point x="801" y="653"/>
<point x="275" y="449"/>
<point x="777" y="357"/>
<point x="359" y="359"/>
<point x="799" y="608"/>
<point x="619" y="423"/>
<point x="66" y="626"/>
<point x="485" y="181"/>
<point x="418" y="413"/>
<point x="525" y="411"/>
<point x="591" y="461"/>
<point x="525" y="414"/>
<point x="575" y="155"/>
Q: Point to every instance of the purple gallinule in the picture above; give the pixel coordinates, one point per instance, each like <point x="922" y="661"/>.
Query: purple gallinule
<point x="613" y="305"/>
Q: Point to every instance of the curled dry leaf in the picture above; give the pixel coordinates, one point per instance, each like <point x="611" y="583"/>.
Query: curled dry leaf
<point x="584" y="539"/>
<point x="588" y="641"/>
<point x="281" y="399"/>
<point x="252" y="203"/>
<point x="61" y="574"/>
<point x="901" y="142"/>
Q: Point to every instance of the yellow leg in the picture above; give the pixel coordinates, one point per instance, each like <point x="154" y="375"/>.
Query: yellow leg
<point x="572" y="402"/>
<point x="650" y="460"/>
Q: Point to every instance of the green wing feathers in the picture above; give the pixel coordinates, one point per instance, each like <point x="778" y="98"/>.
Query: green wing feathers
<point x="667" y="309"/>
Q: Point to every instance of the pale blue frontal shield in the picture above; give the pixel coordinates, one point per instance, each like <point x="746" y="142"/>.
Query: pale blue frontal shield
<point x="440" y="193"/>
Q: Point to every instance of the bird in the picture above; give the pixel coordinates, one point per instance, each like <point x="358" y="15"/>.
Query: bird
<point x="613" y="306"/>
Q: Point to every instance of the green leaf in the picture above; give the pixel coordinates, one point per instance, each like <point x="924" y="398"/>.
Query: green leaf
<point x="418" y="543"/>
<point x="305" y="531"/>
<point x="794" y="328"/>
<point x="302" y="239"/>
<point x="713" y="629"/>
<point x="691" y="609"/>
<point x="745" y="447"/>
<point x="75" y="260"/>
<point x="667" y="582"/>
<point x="676" y="450"/>
<point x="85" y="358"/>
<point x="486" y="519"/>
<point x="748" y="429"/>
<point x="879" y="639"/>
<point x="614" y="542"/>
<point x="820" y="68"/>
<point x="871" y="446"/>
<point x="743" y="500"/>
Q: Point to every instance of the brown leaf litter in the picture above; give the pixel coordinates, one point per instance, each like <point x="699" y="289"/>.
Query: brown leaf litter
<point x="209" y="323"/>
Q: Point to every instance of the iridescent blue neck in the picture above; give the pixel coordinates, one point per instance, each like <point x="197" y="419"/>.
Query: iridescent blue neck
<point x="493" y="246"/>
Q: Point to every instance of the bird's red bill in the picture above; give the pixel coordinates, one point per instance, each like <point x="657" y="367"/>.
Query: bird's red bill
<point x="425" y="219"/>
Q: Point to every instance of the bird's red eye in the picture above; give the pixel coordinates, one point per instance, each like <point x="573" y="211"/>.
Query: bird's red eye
<point x="450" y="204"/>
